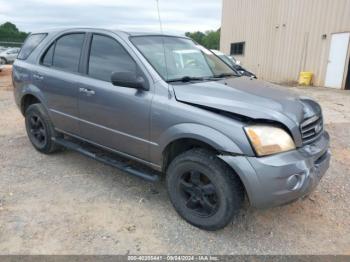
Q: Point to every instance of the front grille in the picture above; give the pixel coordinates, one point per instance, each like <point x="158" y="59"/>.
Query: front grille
<point x="311" y="129"/>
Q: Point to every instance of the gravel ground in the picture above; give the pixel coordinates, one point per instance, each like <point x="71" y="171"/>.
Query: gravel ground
<point x="68" y="204"/>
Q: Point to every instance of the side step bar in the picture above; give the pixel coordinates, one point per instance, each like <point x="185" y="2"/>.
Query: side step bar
<point x="123" y="166"/>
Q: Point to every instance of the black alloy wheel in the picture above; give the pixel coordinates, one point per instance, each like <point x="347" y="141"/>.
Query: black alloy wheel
<point x="198" y="193"/>
<point x="40" y="130"/>
<point x="37" y="130"/>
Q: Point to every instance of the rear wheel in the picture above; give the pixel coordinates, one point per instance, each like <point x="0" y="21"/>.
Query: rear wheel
<point x="40" y="129"/>
<point x="203" y="190"/>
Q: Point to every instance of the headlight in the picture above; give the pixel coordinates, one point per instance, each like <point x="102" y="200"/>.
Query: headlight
<point x="268" y="140"/>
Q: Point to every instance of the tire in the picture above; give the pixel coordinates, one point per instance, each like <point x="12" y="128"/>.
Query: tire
<point x="40" y="130"/>
<point x="204" y="190"/>
<point x="3" y="61"/>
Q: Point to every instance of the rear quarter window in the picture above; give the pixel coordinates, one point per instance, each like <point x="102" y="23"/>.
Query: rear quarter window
<point x="30" y="44"/>
<point x="48" y="56"/>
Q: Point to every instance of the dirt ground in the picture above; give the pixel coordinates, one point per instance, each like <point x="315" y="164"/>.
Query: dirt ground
<point x="68" y="204"/>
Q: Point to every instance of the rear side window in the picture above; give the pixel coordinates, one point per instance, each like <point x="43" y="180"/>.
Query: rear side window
<point x="65" y="52"/>
<point x="48" y="57"/>
<point x="108" y="56"/>
<point x="30" y="44"/>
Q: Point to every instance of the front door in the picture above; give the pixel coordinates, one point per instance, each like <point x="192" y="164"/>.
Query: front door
<point x="337" y="60"/>
<point x="113" y="116"/>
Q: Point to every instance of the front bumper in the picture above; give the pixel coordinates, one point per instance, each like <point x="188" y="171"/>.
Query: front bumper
<point x="282" y="178"/>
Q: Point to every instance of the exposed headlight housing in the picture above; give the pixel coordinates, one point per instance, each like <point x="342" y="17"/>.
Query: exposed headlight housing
<point x="268" y="140"/>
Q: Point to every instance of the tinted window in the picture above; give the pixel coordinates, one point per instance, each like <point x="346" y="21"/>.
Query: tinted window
<point x="30" y="44"/>
<point x="67" y="52"/>
<point x="48" y="56"/>
<point x="237" y="48"/>
<point x="108" y="56"/>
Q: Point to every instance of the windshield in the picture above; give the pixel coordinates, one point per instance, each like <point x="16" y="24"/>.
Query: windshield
<point x="228" y="60"/>
<point x="176" y="58"/>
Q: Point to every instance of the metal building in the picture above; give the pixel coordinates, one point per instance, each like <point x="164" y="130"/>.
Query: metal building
<point x="277" y="39"/>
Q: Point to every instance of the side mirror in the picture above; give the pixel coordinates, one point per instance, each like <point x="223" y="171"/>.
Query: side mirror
<point x="238" y="62"/>
<point x="128" y="79"/>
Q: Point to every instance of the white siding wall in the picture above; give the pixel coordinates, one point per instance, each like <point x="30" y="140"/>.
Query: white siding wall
<point x="284" y="37"/>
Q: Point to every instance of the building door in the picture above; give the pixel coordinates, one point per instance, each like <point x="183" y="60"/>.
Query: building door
<point x="337" y="60"/>
<point x="347" y="83"/>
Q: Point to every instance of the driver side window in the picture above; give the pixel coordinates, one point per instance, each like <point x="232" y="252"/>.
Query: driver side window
<point x="108" y="56"/>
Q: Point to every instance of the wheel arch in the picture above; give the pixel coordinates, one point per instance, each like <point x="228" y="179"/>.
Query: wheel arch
<point x="186" y="136"/>
<point x="27" y="95"/>
<point x="181" y="145"/>
<point x="27" y="100"/>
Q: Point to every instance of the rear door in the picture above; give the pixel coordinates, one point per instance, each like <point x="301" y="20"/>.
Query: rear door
<point x="57" y="78"/>
<point x="113" y="116"/>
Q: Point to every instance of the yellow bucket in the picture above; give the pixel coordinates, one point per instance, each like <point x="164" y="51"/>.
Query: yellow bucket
<point x="305" y="78"/>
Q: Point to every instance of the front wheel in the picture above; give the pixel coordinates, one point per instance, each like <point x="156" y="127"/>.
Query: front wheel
<point x="204" y="191"/>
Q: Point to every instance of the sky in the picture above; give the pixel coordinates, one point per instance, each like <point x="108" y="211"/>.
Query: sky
<point x="178" y="16"/>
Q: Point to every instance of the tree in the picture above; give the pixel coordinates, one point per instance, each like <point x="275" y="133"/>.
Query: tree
<point x="210" y="39"/>
<point x="10" y="33"/>
<point x="196" y="36"/>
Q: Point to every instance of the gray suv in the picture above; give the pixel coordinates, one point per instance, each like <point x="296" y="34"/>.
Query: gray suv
<point x="177" y="111"/>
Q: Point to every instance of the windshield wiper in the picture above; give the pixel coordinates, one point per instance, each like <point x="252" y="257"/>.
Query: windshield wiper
<point x="187" y="79"/>
<point x="225" y="75"/>
<point x="208" y="78"/>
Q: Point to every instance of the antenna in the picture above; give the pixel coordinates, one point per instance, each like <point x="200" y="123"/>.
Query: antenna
<point x="160" y="20"/>
<point x="164" y="51"/>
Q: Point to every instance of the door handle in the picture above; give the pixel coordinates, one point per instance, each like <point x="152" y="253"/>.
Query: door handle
<point x="86" y="91"/>
<point x="38" y="76"/>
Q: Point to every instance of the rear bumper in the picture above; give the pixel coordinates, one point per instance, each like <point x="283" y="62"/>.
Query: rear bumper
<point x="282" y="178"/>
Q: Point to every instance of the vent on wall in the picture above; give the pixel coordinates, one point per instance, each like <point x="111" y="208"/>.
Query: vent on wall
<point x="237" y="48"/>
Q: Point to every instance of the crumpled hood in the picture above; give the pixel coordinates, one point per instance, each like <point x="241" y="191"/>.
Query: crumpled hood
<point x="244" y="96"/>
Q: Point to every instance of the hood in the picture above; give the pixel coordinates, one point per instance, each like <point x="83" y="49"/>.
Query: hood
<point x="247" y="97"/>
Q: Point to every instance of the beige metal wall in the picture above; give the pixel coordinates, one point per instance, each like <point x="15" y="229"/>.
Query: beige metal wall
<point x="284" y="37"/>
